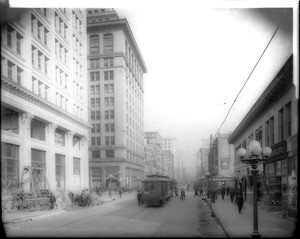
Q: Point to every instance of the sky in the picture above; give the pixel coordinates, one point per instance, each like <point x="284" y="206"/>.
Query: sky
<point x="198" y="56"/>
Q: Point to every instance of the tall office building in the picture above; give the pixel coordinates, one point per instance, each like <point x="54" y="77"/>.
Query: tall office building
<point x="115" y="72"/>
<point x="44" y="111"/>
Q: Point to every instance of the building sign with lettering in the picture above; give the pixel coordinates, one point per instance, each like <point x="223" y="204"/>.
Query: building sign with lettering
<point x="278" y="151"/>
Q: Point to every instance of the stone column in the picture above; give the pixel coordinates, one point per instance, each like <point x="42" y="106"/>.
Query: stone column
<point x="25" y="152"/>
<point x="69" y="160"/>
<point x="84" y="164"/>
<point x="50" y="159"/>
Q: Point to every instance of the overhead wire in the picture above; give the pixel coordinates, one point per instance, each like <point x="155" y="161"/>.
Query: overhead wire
<point x="235" y="99"/>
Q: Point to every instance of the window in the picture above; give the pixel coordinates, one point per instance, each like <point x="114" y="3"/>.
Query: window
<point x="92" y="102"/>
<point x="98" y="128"/>
<point x="106" y="101"/>
<point x="9" y="120"/>
<point x="112" y="114"/>
<point x="97" y="89"/>
<point x="19" y="43"/>
<point x="9" y="36"/>
<point x="108" y="43"/>
<point x="60" y="171"/>
<point x="98" y="114"/>
<point x="108" y="75"/>
<point x="76" y="166"/>
<point x="98" y="141"/>
<point x="109" y="153"/>
<point x="111" y="101"/>
<point x="38" y="159"/>
<point x="112" y="127"/>
<point x="106" y="140"/>
<point x="93" y="129"/>
<point x="97" y="102"/>
<point x="92" y="89"/>
<point x="258" y="135"/>
<point x="106" y="128"/>
<point x="10" y="166"/>
<point x="95" y="63"/>
<point x="267" y="132"/>
<point x="93" y="140"/>
<point x="95" y="153"/>
<point x="112" y="140"/>
<point x="94" y="43"/>
<point x="271" y="131"/>
<point x="108" y="62"/>
<point x="280" y="125"/>
<point x="106" y="114"/>
<point x="10" y="67"/>
<point x="93" y="115"/>
<point x="288" y="120"/>
<point x="37" y="130"/>
<point x="95" y="76"/>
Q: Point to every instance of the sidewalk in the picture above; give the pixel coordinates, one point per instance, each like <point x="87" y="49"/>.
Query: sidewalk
<point x="19" y="216"/>
<point x="241" y="225"/>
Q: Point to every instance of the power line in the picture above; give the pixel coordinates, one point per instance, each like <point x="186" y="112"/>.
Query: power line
<point x="246" y="82"/>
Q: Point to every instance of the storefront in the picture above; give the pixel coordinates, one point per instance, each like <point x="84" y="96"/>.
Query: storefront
<point x="274" y="191"/>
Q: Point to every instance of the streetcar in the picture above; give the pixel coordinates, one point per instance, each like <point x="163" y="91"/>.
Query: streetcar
<point x="157" y="189"/>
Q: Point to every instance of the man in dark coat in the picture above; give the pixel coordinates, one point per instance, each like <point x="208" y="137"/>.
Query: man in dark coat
<point x="223" y="193"/>
<point x="240" y="202"/>
<point x="227" y="191"/>
<point x="182" y="195"/>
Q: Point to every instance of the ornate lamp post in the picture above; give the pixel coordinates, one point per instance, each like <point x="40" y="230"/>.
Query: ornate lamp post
<point x="255" y="152"/>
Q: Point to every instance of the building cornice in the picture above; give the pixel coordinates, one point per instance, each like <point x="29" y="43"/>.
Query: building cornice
<point x="27" y="95"/>
<point x="115" y="24"/>
<point x="282" y="82"/>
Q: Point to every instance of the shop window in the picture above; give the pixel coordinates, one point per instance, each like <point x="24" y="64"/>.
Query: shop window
<point x="38" y="159"/>
<point x="60" y="171"/>
<point x="9" y="120"/>
<point x="278" y="168"/>
<point x="9" y="168"/>
<point x="37" y="130"/>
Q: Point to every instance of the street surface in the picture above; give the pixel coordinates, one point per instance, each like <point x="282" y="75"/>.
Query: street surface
<point x="124" y="218"/>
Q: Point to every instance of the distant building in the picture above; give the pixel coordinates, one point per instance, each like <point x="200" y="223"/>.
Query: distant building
<point x="116" y="101"/>
<point x="221" y="159"/>
<point x="202" y="162"/>
<point x="168" y="163"/>
<point x="44" y="110"/>
<point x="273" y="121"/>
<point x="153" y="142"/>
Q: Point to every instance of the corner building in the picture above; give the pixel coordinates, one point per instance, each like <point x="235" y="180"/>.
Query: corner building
<point x="115" y="72"/>
<point x="44" y="114"/>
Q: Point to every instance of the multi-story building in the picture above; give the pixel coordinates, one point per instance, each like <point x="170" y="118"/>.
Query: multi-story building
<point x="202" y="162"/>
<point x="168" y="164"/>
<point x="273" y="121"/>
<point x="115" y="73"/>
<point x="154" y="147"/>
<point x="170" y="144"/>
<point x="44" y="111"/>
<point x="221" y="160"/>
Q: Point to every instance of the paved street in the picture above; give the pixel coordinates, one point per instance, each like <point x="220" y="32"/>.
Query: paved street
<point x="123" y="217"/>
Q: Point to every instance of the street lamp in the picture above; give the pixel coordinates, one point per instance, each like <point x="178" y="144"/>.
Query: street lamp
<point x="255" y="151"/>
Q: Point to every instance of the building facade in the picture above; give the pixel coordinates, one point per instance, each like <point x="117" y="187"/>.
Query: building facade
<point x="116" y="102"/>
<point x="44" y="111"/>
<point x="221" y="161"/>
<point x="168" y="164"/>
<point x="273" y="121"/>
<point x="154" y="156"/>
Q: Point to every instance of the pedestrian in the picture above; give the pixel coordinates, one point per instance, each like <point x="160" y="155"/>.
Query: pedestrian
<point x="201" y="192"/>
<point x="120" y="192"/>
<point x="223" y="193"/>
<point x="182" y="194"/>
<point x="52" y="200"/>
<point x="196" y="192"/>
<point x="139" y="197"/>
<point x="231" y="194"/>
<point x="227" y="191"/>
<point x="237" y="194"/>
<point x="213" y="195"/>
<point x="216" y="193"/>
<point x="240" y="202"/>
<point x="176" y="193"/>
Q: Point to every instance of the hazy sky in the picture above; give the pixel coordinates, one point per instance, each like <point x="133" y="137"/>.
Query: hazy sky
<point x="198" y="58"/>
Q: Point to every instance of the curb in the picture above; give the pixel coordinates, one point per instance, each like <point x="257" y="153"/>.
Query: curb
<point x="33" y="217"/>
<point x="214" y="215"/>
